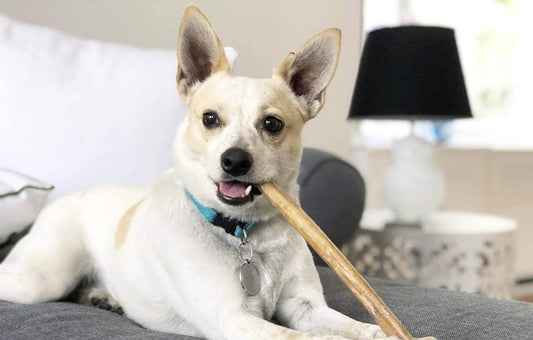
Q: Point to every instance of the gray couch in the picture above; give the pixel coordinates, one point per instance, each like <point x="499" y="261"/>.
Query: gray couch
<point x="333" y="194"/>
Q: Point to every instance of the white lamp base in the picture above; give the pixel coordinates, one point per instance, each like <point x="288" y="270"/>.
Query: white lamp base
<point x="413" y="184"/>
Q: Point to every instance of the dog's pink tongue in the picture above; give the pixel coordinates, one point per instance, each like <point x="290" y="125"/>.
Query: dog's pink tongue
<point x="233" y="189"/>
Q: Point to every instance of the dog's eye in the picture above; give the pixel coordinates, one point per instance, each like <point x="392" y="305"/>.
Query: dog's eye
<point x="272" y="124"/>
<point x="211" y="120"/>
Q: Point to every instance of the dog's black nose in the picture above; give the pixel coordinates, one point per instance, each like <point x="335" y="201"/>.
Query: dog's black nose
<point x="236" y="162"/>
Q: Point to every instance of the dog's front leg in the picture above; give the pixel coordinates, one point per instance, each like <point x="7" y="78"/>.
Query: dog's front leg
<point x="242" y="325"/>
<point x="311" y="314"/>
<point x="229" y="319"/>
<point x="302" y="306"/>
<point x="326" y="320"/>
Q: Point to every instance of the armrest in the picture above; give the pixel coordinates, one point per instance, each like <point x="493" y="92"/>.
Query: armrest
<point x="333" y="195"/>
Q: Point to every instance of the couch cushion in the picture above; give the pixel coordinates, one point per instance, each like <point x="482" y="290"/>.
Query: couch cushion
<point x="64" y="320"/>
<point x="442" y="313"/>
<point x="332" y="193"/>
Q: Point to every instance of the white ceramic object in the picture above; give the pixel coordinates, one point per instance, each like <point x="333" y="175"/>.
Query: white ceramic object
<point x="413" y="185"/>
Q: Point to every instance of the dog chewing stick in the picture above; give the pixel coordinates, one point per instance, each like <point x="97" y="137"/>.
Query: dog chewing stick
<point x="336" y="260"/>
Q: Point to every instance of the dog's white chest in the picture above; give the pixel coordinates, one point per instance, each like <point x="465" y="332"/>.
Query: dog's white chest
<point x="264" y="302"/>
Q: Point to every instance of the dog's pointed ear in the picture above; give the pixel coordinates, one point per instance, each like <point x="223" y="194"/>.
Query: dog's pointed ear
<point x="309" y="69"/>
<point x="200" y="52"/>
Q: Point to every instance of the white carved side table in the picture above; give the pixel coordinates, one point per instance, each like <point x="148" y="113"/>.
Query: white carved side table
<point x="455" y="250"/>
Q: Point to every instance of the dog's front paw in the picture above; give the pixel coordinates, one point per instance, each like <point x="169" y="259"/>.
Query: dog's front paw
<point x="375" y="332"/>
<point x="331" y="337"/>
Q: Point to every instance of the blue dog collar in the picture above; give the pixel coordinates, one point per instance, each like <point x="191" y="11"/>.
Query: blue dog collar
<point x="231" y="226"/>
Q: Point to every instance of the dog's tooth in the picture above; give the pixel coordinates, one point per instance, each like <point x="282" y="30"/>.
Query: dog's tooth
<point x="248" y="190"/>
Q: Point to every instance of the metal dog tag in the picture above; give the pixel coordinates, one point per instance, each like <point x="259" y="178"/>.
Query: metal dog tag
<point x="248" y="275"/>
<point x="250" y="280"/>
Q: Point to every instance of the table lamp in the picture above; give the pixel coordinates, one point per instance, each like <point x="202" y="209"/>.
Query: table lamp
<point x="411" y="73"/>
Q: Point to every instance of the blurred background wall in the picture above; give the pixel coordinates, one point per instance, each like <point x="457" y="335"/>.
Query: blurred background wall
<point x="263" y="32"/>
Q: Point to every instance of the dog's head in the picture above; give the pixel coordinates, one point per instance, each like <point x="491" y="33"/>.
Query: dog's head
<point x="242" y="131"/>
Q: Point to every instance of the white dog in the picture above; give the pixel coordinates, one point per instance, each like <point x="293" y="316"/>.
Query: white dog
<point x="200" y="252"/>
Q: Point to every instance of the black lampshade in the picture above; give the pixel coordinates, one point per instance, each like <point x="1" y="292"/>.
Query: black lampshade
<point x="410" y="72"/>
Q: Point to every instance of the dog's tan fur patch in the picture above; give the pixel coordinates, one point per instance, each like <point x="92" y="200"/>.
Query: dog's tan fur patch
<point x="124" y="225"/>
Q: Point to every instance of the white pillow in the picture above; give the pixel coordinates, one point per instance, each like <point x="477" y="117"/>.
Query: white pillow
<point x="78" y="113"/>
<point x="21" y="200"/>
